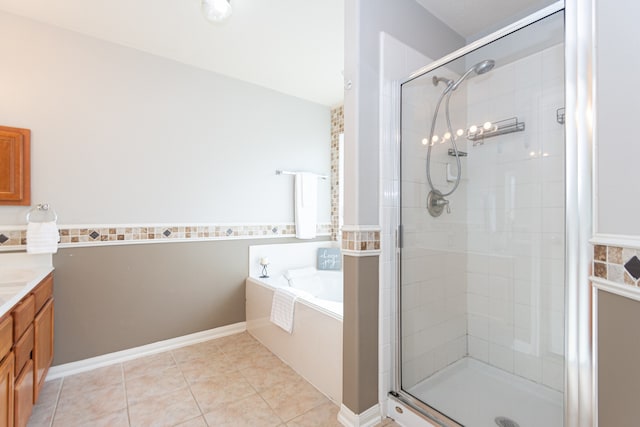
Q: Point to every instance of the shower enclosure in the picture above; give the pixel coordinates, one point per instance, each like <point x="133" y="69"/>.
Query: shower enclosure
<point x="481" y="327"/>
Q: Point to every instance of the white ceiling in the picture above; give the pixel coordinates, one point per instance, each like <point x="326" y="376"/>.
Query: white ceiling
<point x="470" y="18"/>
<point x="292" y="46"/>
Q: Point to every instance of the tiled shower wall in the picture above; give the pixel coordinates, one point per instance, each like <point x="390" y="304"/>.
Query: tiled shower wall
<point x="434" y="323"/>
<point x="515" y="215"/>
<point x="505" y="306"/>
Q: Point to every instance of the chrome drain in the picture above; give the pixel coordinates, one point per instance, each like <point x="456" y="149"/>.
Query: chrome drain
<point x="506" y="422"/>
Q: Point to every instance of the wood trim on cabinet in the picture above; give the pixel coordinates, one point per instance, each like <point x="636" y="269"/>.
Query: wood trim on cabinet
<point x="43" y="292"/>
<point x="15" y="166"/>
<point x="6" y="336"/>
<point x="23" y="314"/>
<point x="42" y="347"/>
<point x="23" y="348"/>
<point x="23" y="396"/>
<point x="6" y="391"/>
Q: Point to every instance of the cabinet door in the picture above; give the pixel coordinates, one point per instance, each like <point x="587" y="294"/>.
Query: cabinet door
<point x="42" y="346"/>
<point x="6" y="391"/>
<point x="15" y="169"/>
<point x="24" y="396"/>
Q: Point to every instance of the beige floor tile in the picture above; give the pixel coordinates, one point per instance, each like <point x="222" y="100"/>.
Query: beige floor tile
<point x="196" y="351"/>
<point x="214" y="365"/>
<point x="115" y="419"/>
<point x="325" y="415"/>
<point x="262" y="378"/>
<point x="292" y="399"/>
<point x="149" y="364"/>
<point x="196" y="422"/>
<point x="235" y="341"/>
<point x="249" y="412"/>
<point x="154" y="383"/>
<point x="387" y="422"/>
<point x="74" y="408"/>
<point x="164" y="411"/>
<point x="213" y="391"/>
<point x="50" y="392"/>
<point x="42" y="415"/>
<point x="258" y="357"/>
<point x="86" y="382"/>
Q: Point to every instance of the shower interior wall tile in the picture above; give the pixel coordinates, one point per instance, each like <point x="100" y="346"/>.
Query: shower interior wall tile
<point x="516" y="222"/>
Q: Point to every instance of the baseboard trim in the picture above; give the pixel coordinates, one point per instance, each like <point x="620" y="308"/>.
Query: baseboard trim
<point x="368" y="418"/>
<point x="85" y="365"/>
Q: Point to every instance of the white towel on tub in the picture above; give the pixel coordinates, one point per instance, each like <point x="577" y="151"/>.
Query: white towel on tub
<point x="282" y="308"/>
<point x="306" y="205"/>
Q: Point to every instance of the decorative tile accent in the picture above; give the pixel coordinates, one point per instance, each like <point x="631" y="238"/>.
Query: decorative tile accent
<point x="600" y="253"/>
<point x="600" y="270"/>
<point x="617" y="264"/>
<point x="15" y="238"/>
<point x="337" y="127"/>
<point x="361" y="240"/>
<point x="633" y="267"/>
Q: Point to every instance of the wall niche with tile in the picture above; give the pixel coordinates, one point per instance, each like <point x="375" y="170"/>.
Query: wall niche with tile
<point x="15" y="166"/>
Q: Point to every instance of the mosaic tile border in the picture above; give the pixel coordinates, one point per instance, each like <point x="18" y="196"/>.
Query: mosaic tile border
<point x="337" y="127"/>
<point x="15" y="238"/>
<point x="361" y="240"/>
<point x="617" y="264"/>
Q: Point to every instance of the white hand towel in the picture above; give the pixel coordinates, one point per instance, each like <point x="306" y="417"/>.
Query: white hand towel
<point x="282" y="308"/>
<point x="42" y="237"/>
<point x="306" y="205"/>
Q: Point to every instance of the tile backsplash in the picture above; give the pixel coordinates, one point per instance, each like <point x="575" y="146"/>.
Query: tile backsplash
<point x="16" y="239"/>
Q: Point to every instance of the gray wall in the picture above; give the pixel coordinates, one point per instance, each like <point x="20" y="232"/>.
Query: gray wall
<point x="118" y="297"/>
<point x="412" y="25"/>
<point x="618" y="354"/>
<point x="120" y="136"/>
<point x="617" y="151"/>
<point x="124" y="137"/>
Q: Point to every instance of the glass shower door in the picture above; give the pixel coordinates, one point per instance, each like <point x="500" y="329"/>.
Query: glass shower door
<point x="482" y="213"/>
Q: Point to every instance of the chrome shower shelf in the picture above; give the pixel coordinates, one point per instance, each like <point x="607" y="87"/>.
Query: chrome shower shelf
<point x="501" y="127"/>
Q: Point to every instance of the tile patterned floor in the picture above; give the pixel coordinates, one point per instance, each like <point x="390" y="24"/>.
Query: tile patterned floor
<point x="230" y="381"/>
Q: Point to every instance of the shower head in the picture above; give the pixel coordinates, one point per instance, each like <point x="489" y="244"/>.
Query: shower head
<point x="484" y="66"/>
<point x="437" y="80"/>
<point x="480" y="68"/>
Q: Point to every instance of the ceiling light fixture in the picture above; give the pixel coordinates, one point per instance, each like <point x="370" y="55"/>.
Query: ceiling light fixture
<point x="216" y="11"/>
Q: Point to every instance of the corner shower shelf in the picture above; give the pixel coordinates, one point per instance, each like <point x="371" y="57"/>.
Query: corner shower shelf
<point x="560" y="115"/>
<point x="501" y="127"/>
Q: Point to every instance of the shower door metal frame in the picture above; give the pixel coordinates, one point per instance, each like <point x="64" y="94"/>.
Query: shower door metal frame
<point x="579" y="392"/>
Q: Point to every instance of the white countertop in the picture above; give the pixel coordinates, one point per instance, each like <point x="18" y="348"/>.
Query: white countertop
<point x="19" y="274"/>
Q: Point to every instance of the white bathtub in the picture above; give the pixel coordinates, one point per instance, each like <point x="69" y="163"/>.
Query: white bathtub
<point x="314" y="349"/>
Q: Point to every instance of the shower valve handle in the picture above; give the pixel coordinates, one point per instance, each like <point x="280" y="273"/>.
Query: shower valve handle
<point x="443" y="202"/>
<point x="436" y="203"/>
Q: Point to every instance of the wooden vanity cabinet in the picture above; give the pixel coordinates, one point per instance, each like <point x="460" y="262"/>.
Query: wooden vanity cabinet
<point x="43" y="333"/>
<point x="26" y="353"/>
<point x="23" y="315"/>
<point x="6" y="371"/>
<point x="6" y="391"/>
<point x="42" y="346"/>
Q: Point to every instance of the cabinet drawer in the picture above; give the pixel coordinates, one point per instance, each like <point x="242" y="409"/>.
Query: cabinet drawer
<point x="23" y="396"/>
<point x="23" y="348"/>
<point x="43" y="292"/>
<point x="23" y="314"/>
<point x="6" y="336"/>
